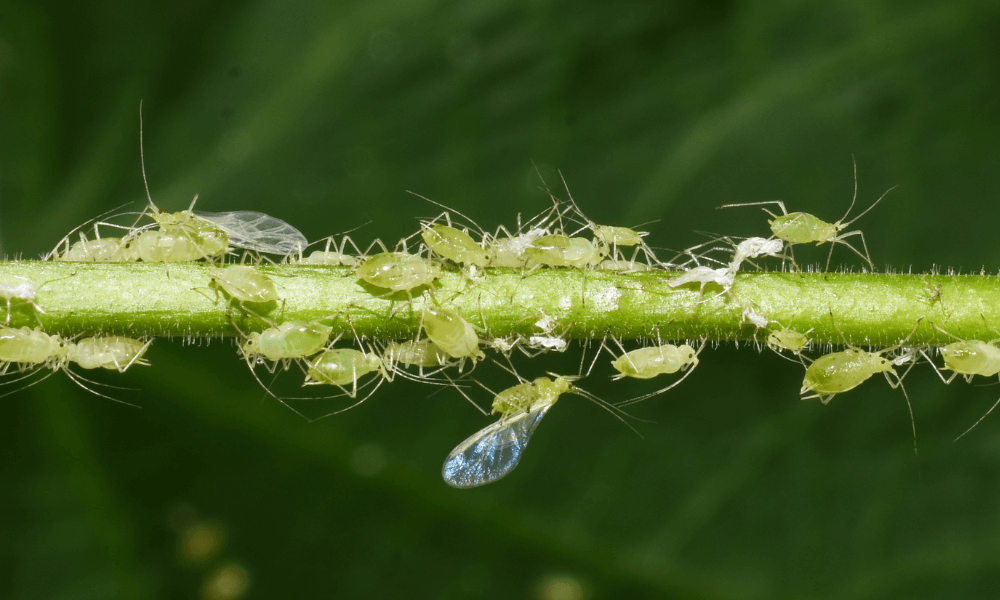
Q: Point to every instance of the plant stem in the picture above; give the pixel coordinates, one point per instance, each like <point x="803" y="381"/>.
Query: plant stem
<point x="149" y="299"/>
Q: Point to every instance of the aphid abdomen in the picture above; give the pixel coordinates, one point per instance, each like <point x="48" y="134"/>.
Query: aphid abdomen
<point x="550" y="250"/>
<point x="453" y="244"/>
<point x="839" y="372"/>
<point x="30" y="346"/>
<point x="515" y="399"/>
<point x="162" y="246"/>
<point x="646" y="363"/>
<point x="245" y="284"/>
<point x="102" y="250"/>
<point x="802" y="228"/>
<point x="787" y="339"/>
<point x="291" y="339"/>
<point x="618" y="236"/>
<point x="398" y="271"/>
<point x="340" y="366"/>
<point x="583" y="253"/>
<point x="451" y="333"/>
<point x="110" y="352"/>
<point x="972" y="357"/>
<point x="416" y="354"/>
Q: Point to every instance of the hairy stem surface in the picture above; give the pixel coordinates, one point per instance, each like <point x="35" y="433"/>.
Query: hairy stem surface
<point x="148" y="299"/>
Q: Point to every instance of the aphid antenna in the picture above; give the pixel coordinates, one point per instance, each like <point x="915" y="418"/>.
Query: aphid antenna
<point x="510" y="369"/>
<point x="459" y="388"/>
<point x="687" y="372"/>
<point x="353" y="394"/>
<point x="22" y="374"/>
<point x="611" y="409"/>
<point x="784" y="211"/>
<point x="78" y="378"/>
<point x="995" y="404"/>
<point x="556" y="201"/>
<point x="31" y="372"/>
<point x="268" y="392"/>
<point x="840" y="223"/>
<point x="448" y="210"/>
<point x="145" y="181"/>
<point x="909" y="406"/>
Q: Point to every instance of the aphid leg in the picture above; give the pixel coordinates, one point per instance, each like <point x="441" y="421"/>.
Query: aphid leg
<point x="840" y="240"/>
<point x="995" y="404"/>
<point x="464" y="395"/>
<point x="947" y="381"/>
<point x="136" y="359"/>
<point x="781" y="204"/>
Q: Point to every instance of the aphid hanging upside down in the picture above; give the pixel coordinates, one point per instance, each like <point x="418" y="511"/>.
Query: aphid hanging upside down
<point x="451" y="333"/>
<point x="839" y="372"/>
<point x="114" y="352"/>
<point x="494" y="451"/>
<point x="342" y="367"/>
<point x="291" y="339"/>
<point x="646" y="363"/>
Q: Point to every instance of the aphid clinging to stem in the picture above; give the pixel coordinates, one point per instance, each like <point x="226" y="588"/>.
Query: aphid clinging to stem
<point x="805" y="228"/>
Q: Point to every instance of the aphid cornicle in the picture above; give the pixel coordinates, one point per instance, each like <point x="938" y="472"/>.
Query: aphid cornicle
<point x="291" y="339"/>
<point x="494" y="451"/>
<point x="115" y="353"/>
<point x="646" y="363"/>
<point x="398" y="271"/>
<point x="451" y="333"/>
<point x="244" y="284"/>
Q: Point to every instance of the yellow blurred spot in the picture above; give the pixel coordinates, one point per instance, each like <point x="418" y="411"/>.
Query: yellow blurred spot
<point x="560" y="586"/>
<point x="228" y="582"/>
<point x="201" y="541"/>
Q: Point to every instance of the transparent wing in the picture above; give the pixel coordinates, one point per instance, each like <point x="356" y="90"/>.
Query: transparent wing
<point x="492" y="452"/>
<point x="256" y="231"/>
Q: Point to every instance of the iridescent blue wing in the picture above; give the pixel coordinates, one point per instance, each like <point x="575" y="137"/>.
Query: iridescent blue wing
<point x="492" y="452"/>
<point x="257" y="231"/>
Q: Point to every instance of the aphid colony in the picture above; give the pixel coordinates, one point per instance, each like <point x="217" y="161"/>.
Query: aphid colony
<point x="449" y="345"/>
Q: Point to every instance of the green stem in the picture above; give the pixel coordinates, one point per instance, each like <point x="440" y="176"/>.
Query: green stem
<point x="148" y="299"/>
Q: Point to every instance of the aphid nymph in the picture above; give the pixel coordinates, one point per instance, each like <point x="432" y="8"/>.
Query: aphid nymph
<point x="804" y="228"/>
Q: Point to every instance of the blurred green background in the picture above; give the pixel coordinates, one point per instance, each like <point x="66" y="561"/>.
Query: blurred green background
<point x="324" y="114"/>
